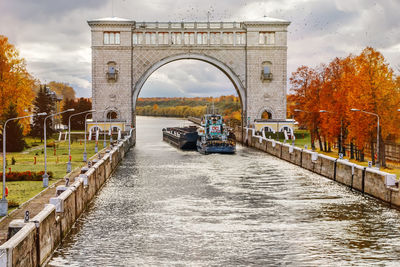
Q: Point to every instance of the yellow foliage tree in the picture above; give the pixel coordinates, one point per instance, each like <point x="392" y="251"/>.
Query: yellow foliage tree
<point x="15" y="82"/>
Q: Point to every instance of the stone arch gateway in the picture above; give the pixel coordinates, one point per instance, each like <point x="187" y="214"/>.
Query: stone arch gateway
<point x="238" y="49"/>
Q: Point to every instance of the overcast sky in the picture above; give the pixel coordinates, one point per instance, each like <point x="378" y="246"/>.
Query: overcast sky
<point x="54" y="38"/>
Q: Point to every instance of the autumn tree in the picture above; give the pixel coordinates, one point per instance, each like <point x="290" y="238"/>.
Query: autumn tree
<point x="306" y="84"/>
<point x="80" y="105"/>
<point x="44" y="102"/>
<point x="364" y="82"/>
<point x="16" y="84"/>
<point x="14" y="139"/>
<point x="377" y="93"/>
<point x="62" y="89"/>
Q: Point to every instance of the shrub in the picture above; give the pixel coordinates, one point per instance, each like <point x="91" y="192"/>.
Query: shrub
<point x="51" y="144"/>
<point x="26" y="176"/>
<point x="13" y="161"/>
<point x="13" y="204"/>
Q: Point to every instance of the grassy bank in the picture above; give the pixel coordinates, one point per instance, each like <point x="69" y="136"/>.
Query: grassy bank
<point x="57" y="158"/>
<point x="303" y="138"/>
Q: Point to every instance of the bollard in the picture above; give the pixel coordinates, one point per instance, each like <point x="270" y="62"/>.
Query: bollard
<point x="14" y="227"/>
<point x="60" y="189"/>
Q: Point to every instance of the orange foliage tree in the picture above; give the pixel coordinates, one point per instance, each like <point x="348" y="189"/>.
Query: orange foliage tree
<point x="15" y="82"/>
<point x="364" y="82"/>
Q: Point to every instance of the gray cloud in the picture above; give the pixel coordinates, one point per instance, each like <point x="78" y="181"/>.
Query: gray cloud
<point x="54" y="37"/>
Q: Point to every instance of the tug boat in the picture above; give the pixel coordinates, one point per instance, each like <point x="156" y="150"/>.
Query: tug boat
<point x="214" y="136"/>
<point x="181" y="137"/>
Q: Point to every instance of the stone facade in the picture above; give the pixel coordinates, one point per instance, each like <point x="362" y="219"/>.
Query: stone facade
<point x="240" y="50"/>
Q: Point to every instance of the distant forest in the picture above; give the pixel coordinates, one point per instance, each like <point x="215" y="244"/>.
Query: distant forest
<point x="229" y="106"/>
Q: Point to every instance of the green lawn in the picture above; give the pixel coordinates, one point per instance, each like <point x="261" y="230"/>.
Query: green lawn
<point x="21" y="191"/>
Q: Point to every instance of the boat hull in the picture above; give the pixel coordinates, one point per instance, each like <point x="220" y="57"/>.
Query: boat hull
<point x="181" y="138"/>
<point x="221" y="147"/>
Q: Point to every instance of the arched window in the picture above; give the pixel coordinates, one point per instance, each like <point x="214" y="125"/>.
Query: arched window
<point x="112" y="115"/>
<point x="266" y="71"/>
<point x="288" y="129"/>
<point x="94" y="129"/>
<point x="266" y="115"/>
<point x="112" y="72"/>
<point x="268" y="129"/>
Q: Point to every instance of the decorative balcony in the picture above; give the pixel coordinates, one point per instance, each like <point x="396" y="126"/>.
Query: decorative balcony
<point x="266" y="76"/>
<point x="112" y="74"/>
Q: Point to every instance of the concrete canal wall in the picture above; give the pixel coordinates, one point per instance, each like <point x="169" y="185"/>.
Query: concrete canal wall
<point x="371" y="181"/>
<point x="34" y="243"/>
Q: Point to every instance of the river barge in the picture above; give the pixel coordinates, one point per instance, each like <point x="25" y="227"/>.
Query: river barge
<point x="214" y="136"/>
<point x="184" y="138"/>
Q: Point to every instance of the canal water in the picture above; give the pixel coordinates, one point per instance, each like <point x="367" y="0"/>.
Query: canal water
<point x="166" y="207"/>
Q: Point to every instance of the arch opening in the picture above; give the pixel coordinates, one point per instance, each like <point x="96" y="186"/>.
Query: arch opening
<point x="266" y="115"/>
<point x="230" y="74"/>
<point x="112" y="115"/>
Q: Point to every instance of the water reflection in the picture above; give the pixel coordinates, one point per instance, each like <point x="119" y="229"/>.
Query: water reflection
<point x="168" y="207"/>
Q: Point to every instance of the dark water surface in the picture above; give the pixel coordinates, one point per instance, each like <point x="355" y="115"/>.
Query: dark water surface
<point x="167" y="207"/>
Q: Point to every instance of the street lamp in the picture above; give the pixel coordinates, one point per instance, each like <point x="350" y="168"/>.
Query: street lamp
<point x="105" y="120"/>
<point x="104" y="128"/>
<point x="45" y="175"/>
<point x="84" y="153"/>
<point x="69" y="164"/>
<point x="3" y="201"/>
<point x="377" y="133"/>
<point x="96" y="149"/>
<point x="341" y="149"/>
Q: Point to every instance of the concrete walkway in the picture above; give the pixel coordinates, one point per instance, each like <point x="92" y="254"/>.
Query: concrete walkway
<point x="36" y="204"/>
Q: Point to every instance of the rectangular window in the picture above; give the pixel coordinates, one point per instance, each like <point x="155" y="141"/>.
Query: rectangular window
<point x="135" y="39"/>
<point x="186" y="37"/>
<point x="153" y="38"/>
<point x="163" y="38"/>
<point x="176" y="38"/>
<point x="271" y="38"/>
<point x="106" y="38"/>
<point x="227" y="38"/>
<point x="267" y="38"/>
<point x="240" y="38"/>
<point x="202" y="38"/>
<point x="147" y="37"/>
<point x="189" y="38"/>
<point x="111" y="38"/>
<point x="215" y="38"/>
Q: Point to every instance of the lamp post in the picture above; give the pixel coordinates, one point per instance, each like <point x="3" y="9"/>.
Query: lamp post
<point x="104" y="128"/>
<point x="377" y="133"/>
<point x="3" y="201"/>
<point x="84" y="152"/>
<point x="96" y="149"/>
<point x="105" y="120"/>
<point x="45" y="175"/>
<point x="111" y="139"/>
<point x="341" y="149"/>
<point x="69" y="164"/>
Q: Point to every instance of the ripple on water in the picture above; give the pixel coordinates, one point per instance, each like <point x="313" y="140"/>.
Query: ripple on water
<point x="168" y="207"/>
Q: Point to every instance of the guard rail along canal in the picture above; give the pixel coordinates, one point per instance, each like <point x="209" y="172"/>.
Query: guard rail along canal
<point x="35" y="242"/>
<point x="378" y="184"/>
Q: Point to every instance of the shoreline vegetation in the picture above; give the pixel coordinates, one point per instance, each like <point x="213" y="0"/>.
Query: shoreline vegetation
<point x="183" y="107"/>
